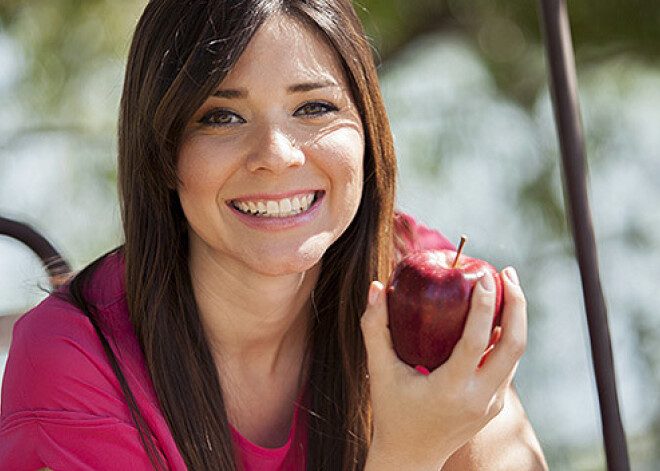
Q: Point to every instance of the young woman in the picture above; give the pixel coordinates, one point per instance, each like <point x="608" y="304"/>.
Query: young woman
<point x="241" y="326"/>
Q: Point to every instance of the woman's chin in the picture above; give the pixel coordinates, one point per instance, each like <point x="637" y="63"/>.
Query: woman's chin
<point x="283" y="260"/>
<point x="288" y="265"/>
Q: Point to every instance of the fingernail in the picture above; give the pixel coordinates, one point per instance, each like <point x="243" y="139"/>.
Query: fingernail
<point x="511" y="274"/>
<point x="487" y="283"/>
<point x="374" y="289"/>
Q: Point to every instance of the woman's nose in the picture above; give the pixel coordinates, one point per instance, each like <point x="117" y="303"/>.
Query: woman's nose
<point x="275" y="151"/>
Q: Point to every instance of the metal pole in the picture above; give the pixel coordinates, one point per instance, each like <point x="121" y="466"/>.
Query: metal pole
<point x="561" y="60"/>
<point x="54" y="263"/>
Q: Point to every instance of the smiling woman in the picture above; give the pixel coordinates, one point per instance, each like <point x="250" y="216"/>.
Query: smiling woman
<point x="281" y="132"/>
<point x="241" y="324"/>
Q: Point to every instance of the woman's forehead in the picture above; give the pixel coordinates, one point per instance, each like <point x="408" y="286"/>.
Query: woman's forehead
<point x="284" y="48"/>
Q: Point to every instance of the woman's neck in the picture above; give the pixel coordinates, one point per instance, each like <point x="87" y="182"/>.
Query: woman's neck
<point x="256" y="324"/>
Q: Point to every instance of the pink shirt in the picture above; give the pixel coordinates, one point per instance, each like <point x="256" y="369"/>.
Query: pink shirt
<point x="62" y="405"/>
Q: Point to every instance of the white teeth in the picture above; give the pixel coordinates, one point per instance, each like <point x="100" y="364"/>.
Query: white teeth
<point x="285" y="206"/>
<point x="271" y="208"/>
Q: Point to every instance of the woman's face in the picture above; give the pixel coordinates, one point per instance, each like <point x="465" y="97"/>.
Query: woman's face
<point x="270" y="166"/>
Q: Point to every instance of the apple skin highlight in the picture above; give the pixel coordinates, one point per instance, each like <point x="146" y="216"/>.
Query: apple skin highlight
<point x="428" y="300"/>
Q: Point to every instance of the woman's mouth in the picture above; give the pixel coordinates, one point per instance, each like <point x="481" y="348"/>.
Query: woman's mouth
<point x="280" y="208"/>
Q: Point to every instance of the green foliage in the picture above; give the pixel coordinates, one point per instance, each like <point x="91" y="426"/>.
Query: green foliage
<point x="63" y="40"/>
<point x="62" y="43"/>
<point x="542" y="203"/>
<point x="507" y="32"/>
<point x="393" y="23"/>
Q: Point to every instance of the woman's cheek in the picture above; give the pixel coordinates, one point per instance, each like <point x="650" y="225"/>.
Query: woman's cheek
<point x="206" y="160"/>
<point x="344" y="146"/>
<point x="343" y="152"/>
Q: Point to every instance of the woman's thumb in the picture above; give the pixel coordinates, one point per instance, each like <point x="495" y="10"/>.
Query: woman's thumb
<point x="376" y="333"/>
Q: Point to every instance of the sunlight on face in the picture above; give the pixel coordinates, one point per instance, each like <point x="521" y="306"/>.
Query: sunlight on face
<point x="271" y="164"/>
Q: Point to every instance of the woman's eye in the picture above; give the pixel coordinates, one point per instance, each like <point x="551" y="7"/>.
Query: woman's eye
<point x="221" y="117"/>
<point x="315" y="108"/>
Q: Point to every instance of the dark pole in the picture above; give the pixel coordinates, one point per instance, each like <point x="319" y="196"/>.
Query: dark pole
<point x="561" y="60"/>
<point x="54" y="263"/>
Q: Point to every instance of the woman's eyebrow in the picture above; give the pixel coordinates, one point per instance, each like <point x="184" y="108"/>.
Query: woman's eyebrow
<point x="309" y="86"/>
<point x="295" y="88"/>
<point x="242" y="93"/>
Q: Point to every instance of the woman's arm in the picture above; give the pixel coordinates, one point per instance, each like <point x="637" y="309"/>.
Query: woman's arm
<point x="509" y="438"/>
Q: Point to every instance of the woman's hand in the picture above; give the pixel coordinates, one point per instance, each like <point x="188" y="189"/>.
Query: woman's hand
<point x="420" y="420"/>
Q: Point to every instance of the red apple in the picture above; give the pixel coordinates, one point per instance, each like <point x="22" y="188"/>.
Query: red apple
<point x="428" y="298"/>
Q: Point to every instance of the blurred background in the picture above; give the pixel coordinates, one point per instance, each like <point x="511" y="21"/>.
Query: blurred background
<point x="466" y="88"/>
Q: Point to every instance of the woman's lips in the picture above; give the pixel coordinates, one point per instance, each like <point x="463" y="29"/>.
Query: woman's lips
<point x="293" y="205"/>
<point x="308" y="205"/>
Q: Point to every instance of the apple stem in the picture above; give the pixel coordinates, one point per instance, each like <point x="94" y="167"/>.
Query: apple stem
<point x="460" y="249"/>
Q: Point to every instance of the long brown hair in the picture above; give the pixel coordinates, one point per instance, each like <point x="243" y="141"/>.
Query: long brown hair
<point x="180" y="52"/>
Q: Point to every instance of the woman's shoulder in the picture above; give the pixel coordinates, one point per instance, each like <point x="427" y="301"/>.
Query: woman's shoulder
<point x="56" y="361"/>
<point x="61" y="399"/>
<point x="57" y="317"/>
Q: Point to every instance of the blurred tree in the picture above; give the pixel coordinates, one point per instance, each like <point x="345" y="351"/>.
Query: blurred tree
<point x="54" y="32"/>
<point x="62" y="45"/>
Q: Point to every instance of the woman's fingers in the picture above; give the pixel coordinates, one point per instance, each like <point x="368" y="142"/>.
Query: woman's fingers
<point x="467" y="359"/>
<point x="470" y="348"/>
<point x="376" y="333"/>
<point x="503" y="359"/>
